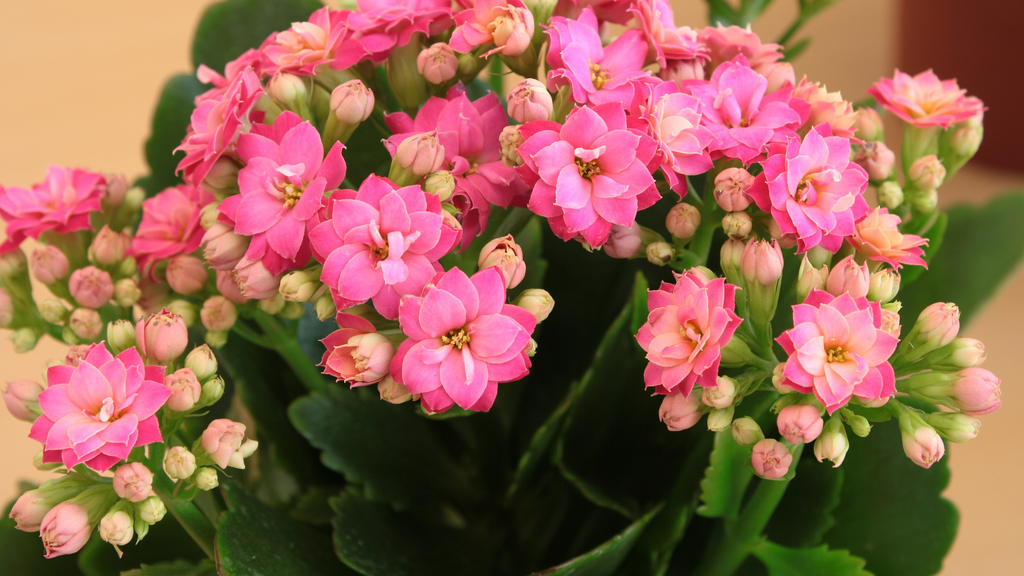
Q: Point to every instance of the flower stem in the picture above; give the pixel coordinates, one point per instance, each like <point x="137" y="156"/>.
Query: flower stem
<point x="288" y="347"/>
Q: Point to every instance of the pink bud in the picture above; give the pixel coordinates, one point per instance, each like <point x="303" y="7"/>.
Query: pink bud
<point x="529" y="100"/>
<point x="939" y="322"/>
<point x="922" y="444"/>
<point x="6" y="309"/>
<point x="507" y="256"/>
<point x="731" y="187"/>
<point x="869" y="124"/>
<point x="22" y="399"/>
<point x="891" y="323"/>
<point x="255" y="281"/>
<point x="977" y="391"/>
<point x="12" y="263"/>
<point x="185" y="390"/>
<point x="91" y="287"/>
<point x="289" y="91"/>
<point x="761" y="262"/>
<point x="800" y="424"/>
<point x="86" y="323"/>
<point x="161" y="337"/>
<point x="512" y="31"/>
<point x="771" y="459"/>
<point x="222" y="440"/>
<point x="420" y="155"/>
<point x="218" y="314"/>
<point x="357" y="358"/>
<point x="228" y="287"/>
<point x="721" y="395"/>
<point x="65" y="529"/>
<point x="962" y="353"/>
<point x="510" y="139"/>
<point x="623" y="241"/>
<point x="438" y="63"/>
<point x="186" y="274"/>
<point x="927" y="172"/>
<point x="809" y="278"/>
<point x="108" y="247"/>
<point x="679" y="70"/>
<point x="680" y="412"/>
<point x="778" y="74"/>
<point x="876" y="159"/>
<point x="352" y="102"/>
<point x="49" y="264"/>
<point x="75" y="354"/>
<point x="393" y="392"/>
<point x="223" y="248"/>
<point x="683" y="220"/>
<point x="133" y="481"/>
<point x="847" y="277"/>
<point x="30" y="509"/>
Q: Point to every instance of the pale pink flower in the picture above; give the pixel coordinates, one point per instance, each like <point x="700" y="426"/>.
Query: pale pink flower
<point x="799" y="423"/>
<point x="380" y="243"/>
<point x="771" y="459"/>
<point x="65" y="529"/>
<point x="688" y="324"/>
<point x="357" y="353"/>
<point x="48" y="264"/>
<point x="325" y="40"/>
<point x="170" y="226"/>
<point x="924" y="100"/>
<point x="597" y="74"/>
<point x="837" y="349"/>
<point x="185" y="390"/>
<point x="590" y="174"/>
<point x="665" y="40"/>
<point x="463" y="341"/>
<point x="508" y="24"/>
<point x="680" y="411"/>
<point x="921" y="443"/>
<point x="877" y="237"/>
<point x="813" y="190"/>
<point x="437" y="63"/>
<point x="133" y="481"/>
<point x="61" y="203"/>
<point x="222" y="440"/>
<point x="91" y="287"/>
<point x="674" y="121"/>
<point x="97" y="412"/>
<point x="529" y="100"/>
<point x="381" y="25"/>
<point x="827" y="108"/>
<point x="848" y="277"/>
<point x="727" y="42"/>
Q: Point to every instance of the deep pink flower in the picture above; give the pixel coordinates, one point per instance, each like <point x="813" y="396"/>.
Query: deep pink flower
<point x="924" y="100"/>
<point x="62" y="203"/>
<point x="617" y="11"/>
<point x="232" y="70"/>
<point x="743" y="118"/>
<point x="674" y="121"/>
<point x="380" y="243"/>
<point x="813" y="190"/>
<point x="688" y="324"/>
<point x="590" y="174"/>
<point x="326" y="39"/>
<point x="877" y="237"/>
<point x="216" y="124"/>
<point x="508" y="24"/>
<point x="170" y="225"/>
<point x="282" y="189"/>
<point x="463" y="341"/>
<point x="381" y="25"/>
<point x="97" y="412"/>
<point x="665" y="40"/>
<point x="597" y="74"/>
<point x="837" y="349"/>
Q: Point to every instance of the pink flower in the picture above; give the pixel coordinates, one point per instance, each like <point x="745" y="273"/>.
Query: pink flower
<point x="62" y="203"/>
<point x="827" y="108"/>
<point x="688" y="324"/>
<point x="508" y="24"/>
<point x="877" y="237"/>
<point x="380" y="243"/>
<point x="666" y="41"/>
<point x="463" y="341"/>
<point x="222" y="440"/>
<point x="837" y="349"/>
<point x="674" y="120"/>
<point x="253" y="281"/>
<point x="326" y="39"/>
<point x="771" y="459"/>
<point x="282" y="189"/>
<point x="91" y="287"/>
<point x="742" y="117"/>
<point x="590" y="174"/>
<point x="97" y="412"/>
<point x="161" y="337"/>
<point x="185" y="390"/>
<point x="216" y="124"/>
<point x="48" y="264"/>
<point x="727" y="42"/>
<point x="170" y="226"/>
<point x="924" y="100"/>
<point x="617" y="11"/>
<point x="507" y="256"/>
<point x="65" y="529"/>
<point x="813" y="190"/>
<point x="381" y="25"/>
<point x="357" y="353"/>
<point x="680" y="411"/>
<point x="597" y="74"/>
<point x="799" y="423"/>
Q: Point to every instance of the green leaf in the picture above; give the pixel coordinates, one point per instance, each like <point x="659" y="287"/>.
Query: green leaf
<point x="639" y="309"/>
<point x="606" y="558"/>
<point x="374" y="539"/>
<point x="805" y="513"/>
<point x="170" y="123"/>
<point x="22" y="553"/>
<point x="227" y="29"/>
<point x="792" y="52"/>
<point x="726" y="478"/>
<point x="782" y="561"/>
<point x="389" y="449"/>
<point x="934" y="235"/>
<point x="539" y="445"/>
<point x="364" y="154"/>
<point x="254" y="539"/>
<point x="889" y="506"/>
<point x="179" y="568"/>
<point x="982" y="247"/>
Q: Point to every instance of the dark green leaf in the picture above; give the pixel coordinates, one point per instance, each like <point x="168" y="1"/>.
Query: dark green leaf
<point x="934" y="235"/>
<point x="179" y="568"/>
<point x="805" y="513"/>
<point x="726" y="478"/>
<point x="982" y="247"/>
<point x="387" y="448"/>
<point x="889" y="507"/>
<point x="782" y="561"/>
<point x="639" y="310"/>
<point x="606" y="558"/>
<point x="254" y="539"/>
<point x="313" y="506"/>
<point x="538" y="448"/>
<point x="227" y="29"/>
<point x="530" y="239"/>
<point x="170" y="123"/>
<point x="374" y="539"/>
<point x="21" y="553"/>
<point x="796" y="49"/>
<point x="364" y="153"/>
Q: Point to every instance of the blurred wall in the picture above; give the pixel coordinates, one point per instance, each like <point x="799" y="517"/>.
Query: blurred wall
<point x="80" y="80"/>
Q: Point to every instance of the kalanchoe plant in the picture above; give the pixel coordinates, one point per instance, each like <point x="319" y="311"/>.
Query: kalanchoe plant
<point x="356" y="209"/>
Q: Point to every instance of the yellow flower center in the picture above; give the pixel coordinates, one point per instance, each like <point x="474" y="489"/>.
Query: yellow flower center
<point x="457" y="338"/>
<point x="836" y="354"/>
<point x="292" y="194"/>
<point x="587" y="169"/>
<point x="599" y="76"/>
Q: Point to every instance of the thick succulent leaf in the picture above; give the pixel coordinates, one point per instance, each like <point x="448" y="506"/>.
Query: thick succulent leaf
<point x="726" y="478"/>
<point x="537" y="451"/>
<point x="21" y="553"/>
<point x="782" y="561"/>
<point x="805" y="513"/>
<point x="179" y="568"/>
<point x="170" y="123"/>
<point x="606" y="558"/>
<point x="254" y="539"/>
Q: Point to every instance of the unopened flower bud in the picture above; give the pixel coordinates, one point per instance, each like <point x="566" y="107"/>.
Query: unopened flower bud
<point x="223" y="442"/>
<point x="736" y="352"/>
<point x="161" y="337"/>
<point x="746" y="432"/>
<point x="883" y="286"/>
<point x="185" y="390"/>
<point x="683" y="220"/>
<point x="536" y="301"/>
<point x="325" y="307"/>
<point x="85" y="323"/>
<point x="732" y="259"/>
<point x="921" y="443"/>
<point x="890" y="195"/>
<point x="12" y="263"/>
<point x="206" y="478"/>
<point x="440" y="184"/>
<point x="300" y="285"/>
<point x="937" y="325"/>
<point x="179" y="463"/>
<point x="152" y="510"/>
<point x="800" y="423"/>
<point x="202" y="362"/>
<point x="660" y="253"/>
<point x="215" y="339"/>
<point x="924" y="200"/>
<point x="208" y="216"/>
<point x="877" y="160"/>
<point x="833" y="443"/>
<point x="126" y="292"/>
<point x="958" y="354"/>
<point x="731" y="186"/>
<point x="891" y="322"/>
<point x="624" y="241"/>
<point x="927" y="172"/>
<point x="91" y="287"/>
<point x="771" y="459"/>
<point x="393" y="392"/>
<point x="213" y="390"/>
<point x="22" y="399"/>
<point x="185" y="309"/>
<point x="52" y="310"/>
<point x="290" y="92"/>
<point x="720" y="419"/>
<point x="679" y="411"/>
<point x="965" y="141"/>
<point x="186" y="274"/>
<point x="292" y="311"/>
<point x="120" y="336"/>
<point x="737" y="225"/>
<point x="507" y="256"/>
<point x="859" y="424"/>
<point x="761" y="267"/>
<point x="679" y="70"/>
<point x="416" y="157"/>
<point x="869" y="125"/>
<point x="779" y="378"/>
<point x="222" y="247"/>
<point x="530" y="100"/>
<point x="437" y="63"/>
<point x="976" y="391"/>
<point x="273" y="305"/>
<point x="954" y="427"/>
<point x="116" y="526"/>
<point x="847" y="277"/>
<point x="218" y="314"/>
<point x="133" y="481"/>
<point x="108" y="247"/>
<point x="510" y="139"/>
<point x="721" y="395"/>
<point x="65" y="529"/>
<point x="809" y="279"/>
<point x="352" y="102"/>
<point x="778" y="74"/>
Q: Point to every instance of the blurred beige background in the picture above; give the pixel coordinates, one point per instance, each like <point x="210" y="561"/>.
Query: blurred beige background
<point x="80" y="80"/>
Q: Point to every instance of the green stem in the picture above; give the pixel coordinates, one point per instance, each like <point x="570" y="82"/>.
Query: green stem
<point x="288" y="347"/>
<point x="245" y="332"/>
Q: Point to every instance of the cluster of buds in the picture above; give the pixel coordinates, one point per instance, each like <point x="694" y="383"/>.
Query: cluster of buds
<point x="222" y="445"/>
